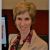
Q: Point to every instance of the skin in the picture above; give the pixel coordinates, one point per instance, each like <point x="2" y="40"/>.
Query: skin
<point x="23" y="22"/>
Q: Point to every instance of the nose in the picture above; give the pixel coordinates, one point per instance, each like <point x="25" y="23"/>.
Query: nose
<point x="22" y="23"/>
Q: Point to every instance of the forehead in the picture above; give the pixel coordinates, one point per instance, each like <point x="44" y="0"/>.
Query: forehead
<point x="23" y="15"/>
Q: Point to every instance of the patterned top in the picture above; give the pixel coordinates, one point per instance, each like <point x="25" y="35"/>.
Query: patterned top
<point x="17" y="46"/>
<point x="36" y="42"/>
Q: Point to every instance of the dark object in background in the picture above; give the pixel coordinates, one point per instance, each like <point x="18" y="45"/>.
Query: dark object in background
<point x="44" y="37"/>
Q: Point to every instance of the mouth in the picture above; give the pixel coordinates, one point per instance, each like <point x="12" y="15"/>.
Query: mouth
<point x="23" y="28"/>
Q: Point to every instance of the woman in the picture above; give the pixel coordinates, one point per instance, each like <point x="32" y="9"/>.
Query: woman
<point x="26" y="38"/>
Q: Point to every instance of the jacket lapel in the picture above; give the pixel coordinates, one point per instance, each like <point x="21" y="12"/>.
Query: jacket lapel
<point x="28" y="46"/>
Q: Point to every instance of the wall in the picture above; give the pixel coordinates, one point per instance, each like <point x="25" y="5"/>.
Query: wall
<point x="40" y="4"/>
<point x="41" y="23"/>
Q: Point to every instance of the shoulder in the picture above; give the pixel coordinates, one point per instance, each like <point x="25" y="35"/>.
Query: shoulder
<point x="12" y="36"/>
<point x="37" y="37"/>
<point x="38" y="42"/>
<point x="42" y="44"/>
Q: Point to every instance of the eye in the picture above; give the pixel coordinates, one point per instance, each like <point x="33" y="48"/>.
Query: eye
<point x="27" y="18"/>
<point x="19" y="18"/>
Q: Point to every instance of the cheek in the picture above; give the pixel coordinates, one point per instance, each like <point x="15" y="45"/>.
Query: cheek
<point x="29" y="23"/>
<point x="17" y="23"/>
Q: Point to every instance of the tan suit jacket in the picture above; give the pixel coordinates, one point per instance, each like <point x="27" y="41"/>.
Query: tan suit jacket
<point x="36" y="43"/>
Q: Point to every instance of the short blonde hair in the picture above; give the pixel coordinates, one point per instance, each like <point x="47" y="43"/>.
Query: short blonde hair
<point x="24" y="6"/>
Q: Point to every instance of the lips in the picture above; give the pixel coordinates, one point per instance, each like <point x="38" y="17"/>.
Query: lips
<point x="23" y="28"/>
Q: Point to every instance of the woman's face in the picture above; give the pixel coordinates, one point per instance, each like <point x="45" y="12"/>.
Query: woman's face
<point x="23" y="22"/>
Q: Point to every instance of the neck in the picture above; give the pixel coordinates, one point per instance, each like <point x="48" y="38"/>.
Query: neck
<point x="24" y="35"/>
